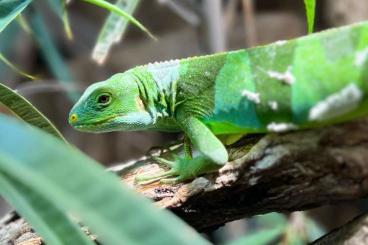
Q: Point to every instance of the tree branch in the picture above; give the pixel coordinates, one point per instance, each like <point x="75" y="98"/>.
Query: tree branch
<point x="286" y="172"/>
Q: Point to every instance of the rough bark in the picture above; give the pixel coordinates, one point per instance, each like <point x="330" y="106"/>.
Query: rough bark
<point x="285" y="172"/>
<point x="14" y="230"/>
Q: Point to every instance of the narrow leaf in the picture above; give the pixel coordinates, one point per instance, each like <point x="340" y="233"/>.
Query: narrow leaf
<point x="26" y="111"/>
<point x="15" y="68"/>
<point x="310" y="8"/>
<point x="23" y="23"/>
<point x="270" y="220"/>
<point x="9" y="9"/>
<point x="81" y="187"/>
<point x="112" y="30"/>
<point x="58" y="6"/>
<point x="49" y="222"/>
<point x="123" y="14"/>
<point x="51" y="54"/>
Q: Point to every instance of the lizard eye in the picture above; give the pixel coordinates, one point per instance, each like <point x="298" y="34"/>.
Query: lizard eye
<point x="104" y="99"/>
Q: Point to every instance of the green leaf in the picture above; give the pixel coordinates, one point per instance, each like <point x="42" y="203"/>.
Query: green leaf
<point x="26" y="111"/>
<point x="9" y="9"/>
<point x="263" y="237"/>
<point x="47" y="219"/>
<point x="82" y="188"/>
<point x="114" y="9"/>
<point x="310" y="8"/>
<point x="58" y="6"/>
<point x="14" y="67"/>
<point x="112" y="30"/>
<point x="23" y="23"/>
<point x="270" y="220"/>
<point x="51" y="54"/>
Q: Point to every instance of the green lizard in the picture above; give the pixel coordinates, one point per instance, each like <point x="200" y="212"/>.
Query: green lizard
<point x="308" y="82"/>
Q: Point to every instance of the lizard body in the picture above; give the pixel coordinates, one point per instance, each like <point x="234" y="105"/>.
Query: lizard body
<point x="303" y="83"/>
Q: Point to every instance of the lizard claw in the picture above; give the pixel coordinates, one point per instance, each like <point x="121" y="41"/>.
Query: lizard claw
<point x="181" y="169"/>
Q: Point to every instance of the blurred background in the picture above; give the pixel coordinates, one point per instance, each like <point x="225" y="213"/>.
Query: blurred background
<point x="184" y="28"/>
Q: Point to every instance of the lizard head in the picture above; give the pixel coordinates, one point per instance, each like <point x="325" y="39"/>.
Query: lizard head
<point x="111" y="105"/>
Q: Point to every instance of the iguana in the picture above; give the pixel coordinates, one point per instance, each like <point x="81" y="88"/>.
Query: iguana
<point x="312" y="81"/>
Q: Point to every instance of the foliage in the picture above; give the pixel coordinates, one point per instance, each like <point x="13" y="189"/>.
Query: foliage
<point x="11" y="9"/>
<point x="59" y="8"/>
<point x="275" y="228"/>
<point x="310" y="6"/>
<point x="23" y="109"/>
<point x="49" y="221"/>
<point x="112" y="30"/>
<point x="35" y="183"/>
<point x="50" y="53"/>
<point x="15" y="68"/>
<point x="116" y="10"/>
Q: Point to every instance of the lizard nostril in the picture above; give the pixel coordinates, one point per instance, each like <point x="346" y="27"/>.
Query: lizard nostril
<point x="73" y="118"/>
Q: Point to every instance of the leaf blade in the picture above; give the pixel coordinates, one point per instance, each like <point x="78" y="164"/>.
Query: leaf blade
<point x="310" y="8"/>
<point x="111" y="210"/>
<point x="112" y="30"/>
<point x="15" y="68"/>
<point x="26" y="111"/>
<point x="54" y="226"/>
<point x="58" y="6"/>
<point x="123" y="14"/>
<point x="51" y="54"/>
<point x="9" y="10"/>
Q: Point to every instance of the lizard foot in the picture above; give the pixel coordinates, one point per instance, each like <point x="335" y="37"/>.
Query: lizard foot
<point x="180" y="169"/>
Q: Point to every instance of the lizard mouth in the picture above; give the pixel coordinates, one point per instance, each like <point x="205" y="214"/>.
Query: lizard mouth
<point x="100" y="124"/>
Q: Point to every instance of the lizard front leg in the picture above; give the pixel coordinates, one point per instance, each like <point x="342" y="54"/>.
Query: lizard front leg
<point x="204" y="140"/>
<point x="212" y="155"/>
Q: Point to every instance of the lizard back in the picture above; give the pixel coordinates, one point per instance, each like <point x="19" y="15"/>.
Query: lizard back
<point x="286" y="85"/>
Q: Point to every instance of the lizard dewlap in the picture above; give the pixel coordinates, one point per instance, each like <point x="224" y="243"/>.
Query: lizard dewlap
<point x="308" y="82"/>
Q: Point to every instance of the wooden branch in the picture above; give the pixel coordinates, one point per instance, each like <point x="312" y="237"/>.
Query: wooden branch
<point x="14" y="230"/>
<point x="286" y="172"/>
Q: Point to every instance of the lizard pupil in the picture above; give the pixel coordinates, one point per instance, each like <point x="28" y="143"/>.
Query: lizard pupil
<point x="103" y="99"/>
